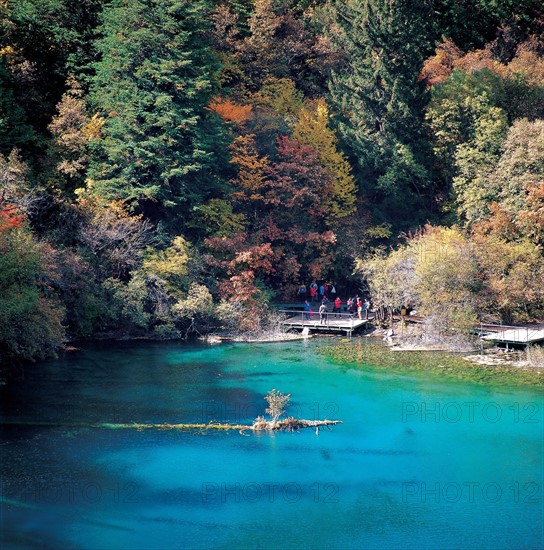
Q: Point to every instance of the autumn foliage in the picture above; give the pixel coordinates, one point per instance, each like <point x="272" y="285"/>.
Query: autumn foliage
<point x="230" y="111"/>
<point x="9" y="218"/>
<point x="439" y="67"/>
<point x="167" y="167"/>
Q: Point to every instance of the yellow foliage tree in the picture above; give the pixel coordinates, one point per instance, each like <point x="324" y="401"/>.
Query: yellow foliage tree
<point x="196" y="310"/>
<point x="252" y="169"/>
<point x="73" y="130"/>
<point x="452" y="277"/>
<point x="437" y="271"/>
<point x="313" y="129"/>
<point x="280" y="95"/>
<point x="446" y="273"/>
<point x="170" y="265"/>
<point x="513" y="273"/>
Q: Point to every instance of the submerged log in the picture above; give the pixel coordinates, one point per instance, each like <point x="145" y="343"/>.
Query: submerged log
<point x="288" y="424"/>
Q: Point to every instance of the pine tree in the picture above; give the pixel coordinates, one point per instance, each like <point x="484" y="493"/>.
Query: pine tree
<point x="152" y="85"/>
<point x="14" y="129"/>
<point x="377" y="94"/>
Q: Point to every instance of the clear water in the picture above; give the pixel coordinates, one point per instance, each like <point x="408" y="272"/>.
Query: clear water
<point x="393" y="475"/>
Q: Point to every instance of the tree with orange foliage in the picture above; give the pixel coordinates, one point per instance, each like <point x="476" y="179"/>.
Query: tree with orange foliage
<point x="477" y="60"/>
<point x="531" y="219"/>
<point x="285" y="202"/>
<point x="439" y="67"/>
<point x="230" y="111"/>
<point x="300" y="185"/>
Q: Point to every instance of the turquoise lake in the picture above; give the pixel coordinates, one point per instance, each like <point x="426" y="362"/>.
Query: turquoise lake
<point x="419" y="461"/>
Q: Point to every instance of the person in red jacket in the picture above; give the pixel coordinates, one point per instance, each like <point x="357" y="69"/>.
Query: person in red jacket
<point x="337" y="306"/>
<point x="360" y="308"/>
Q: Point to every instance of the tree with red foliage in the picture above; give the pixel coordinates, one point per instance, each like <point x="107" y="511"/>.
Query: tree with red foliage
<point x="285" y="202"/>
<point x="300" y="184"/>
<point x="9" y="217"/>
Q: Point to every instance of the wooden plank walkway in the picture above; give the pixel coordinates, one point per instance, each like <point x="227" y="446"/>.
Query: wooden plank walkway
<point x="333" y="322"/>
<point x="348" y="323"/>
<point x="500" y="334"/>
<point x="513" y="335"/>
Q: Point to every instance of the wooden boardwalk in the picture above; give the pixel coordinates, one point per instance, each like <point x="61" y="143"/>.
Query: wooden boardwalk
<point x="499" y="334"/>
<point x="345" y="323"/>
<point x="524" y="335"/>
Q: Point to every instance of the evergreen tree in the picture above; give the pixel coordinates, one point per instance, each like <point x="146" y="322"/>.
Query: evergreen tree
<point x="152" y="84"/>
<point x="46" y="40"/>
<point x="243" y="9"/>
<point x="14" y="129"/>
<point x="378" y="97"/>
<point x="473" y="23"/>
<point x="260" y="51"/>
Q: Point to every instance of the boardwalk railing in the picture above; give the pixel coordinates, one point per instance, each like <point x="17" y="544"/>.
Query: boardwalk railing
<point x="314" y="318"/>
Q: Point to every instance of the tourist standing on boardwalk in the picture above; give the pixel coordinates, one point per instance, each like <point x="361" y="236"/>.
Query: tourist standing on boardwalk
<point x="322" y="292"/>
<point x="322" y="313"/>
<point x="366" y="307"/>
<point x="333" y="292"/>
<point x="302" y="292"/>
<point x="337" y="306"/>
<point x="307" y="310"/>
<point x="313" y="292"/>
<point x="360" y="308"/>
<point x="315" y="287"/>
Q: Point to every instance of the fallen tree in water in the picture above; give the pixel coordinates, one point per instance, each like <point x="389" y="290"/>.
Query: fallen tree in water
<point x="277" y="402"/>
<point x="288" y="424"/>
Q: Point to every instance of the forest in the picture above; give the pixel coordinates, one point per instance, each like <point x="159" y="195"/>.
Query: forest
<point x="168" y="167"/>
